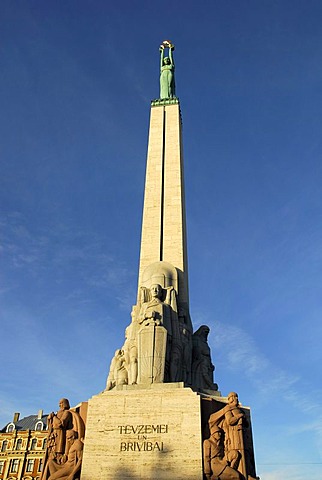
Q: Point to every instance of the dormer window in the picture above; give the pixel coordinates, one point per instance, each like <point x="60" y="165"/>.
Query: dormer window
<point x="10" y="427"/>
<point x="39" y="425"/>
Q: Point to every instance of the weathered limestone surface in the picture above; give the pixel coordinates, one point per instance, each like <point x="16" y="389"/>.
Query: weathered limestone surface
<point x="135" y="433"/>
<point x="163" y="224"/>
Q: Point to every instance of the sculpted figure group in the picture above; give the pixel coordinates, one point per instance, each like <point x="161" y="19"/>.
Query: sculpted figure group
<point x="224" y="452"/>
<point x="64" y="450"/>
<point x="160" y="346"/>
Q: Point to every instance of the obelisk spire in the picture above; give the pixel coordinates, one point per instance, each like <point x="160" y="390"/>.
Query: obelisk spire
<point x="164" y="220"/>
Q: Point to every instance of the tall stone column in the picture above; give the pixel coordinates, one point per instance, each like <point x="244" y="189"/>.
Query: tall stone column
<point x="164" y="222"/>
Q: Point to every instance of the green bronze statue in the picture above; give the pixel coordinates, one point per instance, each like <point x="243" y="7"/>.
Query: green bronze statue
<point x="167" y="83"/>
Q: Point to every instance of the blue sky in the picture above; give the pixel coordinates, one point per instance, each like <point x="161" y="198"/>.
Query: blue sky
<point x="76" y="82"/>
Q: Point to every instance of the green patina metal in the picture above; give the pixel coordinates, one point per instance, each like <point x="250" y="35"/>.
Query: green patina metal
<point x="164" y="101"/>
<point x="167" y="80"/>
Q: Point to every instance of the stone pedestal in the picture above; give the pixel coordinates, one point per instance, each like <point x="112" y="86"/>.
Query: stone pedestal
<point x="144" y="433"/>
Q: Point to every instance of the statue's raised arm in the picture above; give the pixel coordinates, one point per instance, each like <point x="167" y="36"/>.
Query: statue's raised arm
<point x="171" y="48"/>
<point x="161" y="56"/>
<point x="167" y="83"/>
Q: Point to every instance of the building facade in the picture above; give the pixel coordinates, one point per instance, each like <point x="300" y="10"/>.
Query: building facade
<point x="22" y="447"/>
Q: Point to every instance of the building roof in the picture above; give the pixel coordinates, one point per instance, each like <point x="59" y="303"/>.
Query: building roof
<point x="27" y="423"/>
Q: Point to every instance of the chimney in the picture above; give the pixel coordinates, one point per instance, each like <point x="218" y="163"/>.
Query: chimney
<point x="16" y="417"/>
<point x="40" y="414"/>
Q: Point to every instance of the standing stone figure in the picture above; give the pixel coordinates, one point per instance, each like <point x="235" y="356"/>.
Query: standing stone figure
<point x="202" y="367"/>
<point x="162" y="315"/>
<point x="167" y="82"/>
<point x="216" y="465"/>
<point x="71" y="462"/>
<point x="64" y="427"/>
<point x="58" y="424"/>
<point x="234" y="424"/>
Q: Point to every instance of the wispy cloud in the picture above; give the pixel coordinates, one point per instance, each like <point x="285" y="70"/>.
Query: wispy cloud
<point x="242" y="356"/>
<point x="240" y="348"/>
<point x="62" y="254"/>
<point x="294" y="472"/>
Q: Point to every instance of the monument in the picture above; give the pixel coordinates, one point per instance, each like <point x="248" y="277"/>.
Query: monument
<point x="161" y="414"/>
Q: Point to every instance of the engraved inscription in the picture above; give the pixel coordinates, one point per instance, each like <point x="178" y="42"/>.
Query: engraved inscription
<point x="142" y="429"/>
<point x="141" y="446"/>
<point x="142" y="443"/>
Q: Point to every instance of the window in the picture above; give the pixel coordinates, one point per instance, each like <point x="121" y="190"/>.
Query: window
<point x="39" y="426"/>
<point x="44" y="443"/>
<point x="40" y="465"/>
<point x="4" y="446"/>
<point x="10" y="427"/>
<point x="33" y="444"/>
<point x="19" y="444"/>
<point x="1" y="467"/>
<point x="30" y="465"/>
<point x="14" y="465"/>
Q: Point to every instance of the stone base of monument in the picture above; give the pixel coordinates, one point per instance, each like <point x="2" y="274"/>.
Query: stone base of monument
<point x="144" y="432"/>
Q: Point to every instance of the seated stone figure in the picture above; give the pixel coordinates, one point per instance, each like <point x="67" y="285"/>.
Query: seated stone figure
<point x="118" y="374"/>
<point x="216" y="465"/>
<point x="70" y="464"/>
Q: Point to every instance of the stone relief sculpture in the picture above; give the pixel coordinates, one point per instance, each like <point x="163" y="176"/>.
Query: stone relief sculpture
<point x="159" y="311"/>
<point x="167" y="81"/>
<point x="216" y="464"/>
<point x="66" y="431"/>
<point x="202" y="367"/>
<point x="186" y="345"/>
<point x="118" y="374"/>
<point x="70" y="467"/>
<point x="58" y="424"/>
<point x="233" y="425"/>
<point x="159" y="345"/>
<point x="130" y="350"/>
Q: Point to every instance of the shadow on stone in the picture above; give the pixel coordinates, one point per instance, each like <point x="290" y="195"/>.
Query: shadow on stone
<point x="156" y="469"/>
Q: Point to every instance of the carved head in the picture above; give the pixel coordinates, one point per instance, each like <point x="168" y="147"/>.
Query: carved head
<point x="166" y="61"/>
<point x="64" y="404"/>
<point x="156" y="291"/>
<point x="71" y="435"/>
<point x="203" y="332"/>
<point x="233" y="399"/>
<point x="216" y="433"/>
